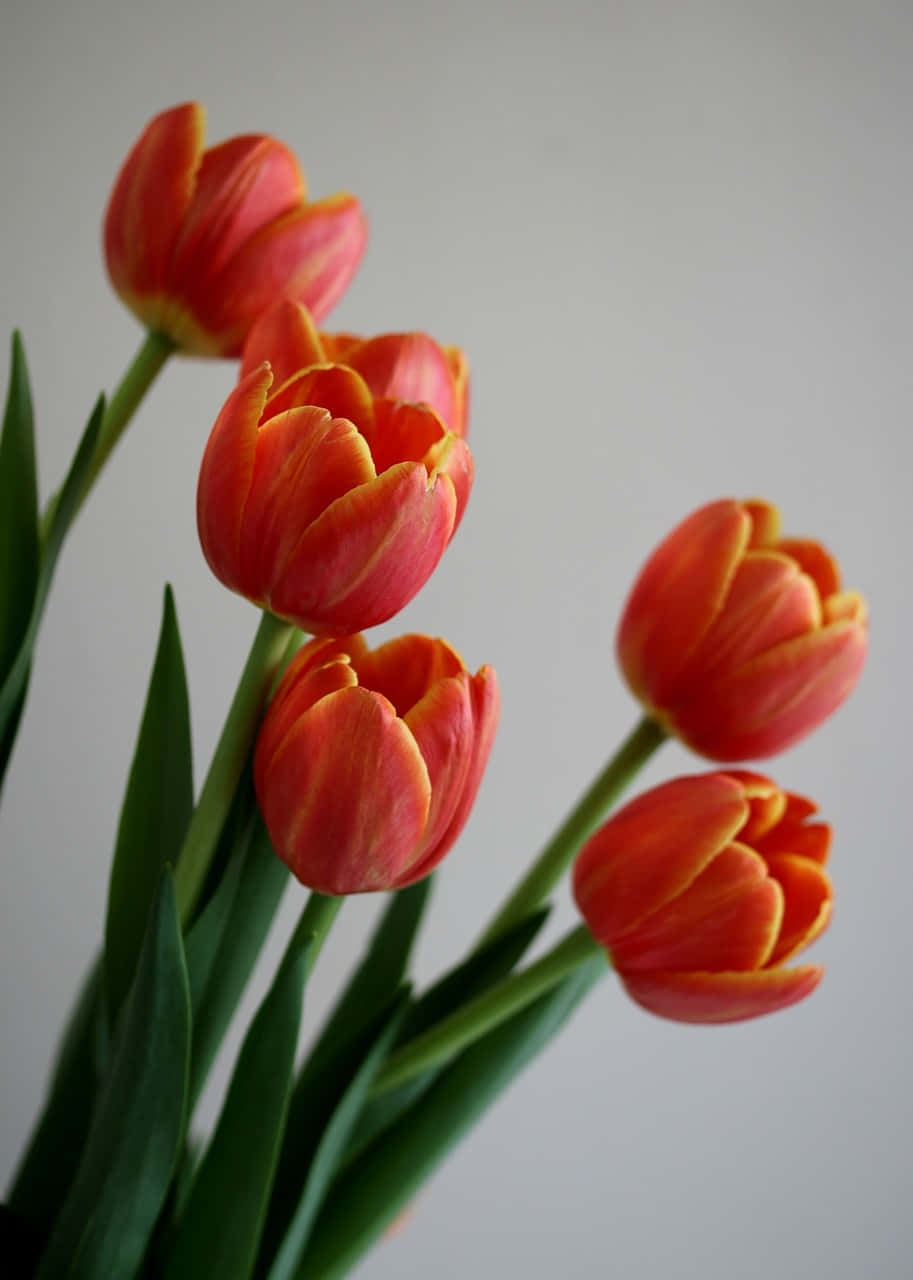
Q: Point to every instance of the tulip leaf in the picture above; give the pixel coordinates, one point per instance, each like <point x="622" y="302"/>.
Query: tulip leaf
<point x="225" y="940"/>
<point x="340" y="1048"/>
<point x="15" y="679"/>
<point x="156" y="809"/>
<point x="326" y="1157"/>
<point x="385" y="1178"/>
<point x="476" y="974"/>
<point x="137" y="1129"/>
<point x="19" y="541"/>
<point x="55" y="1147"/>
<point x="220" y="1230"/>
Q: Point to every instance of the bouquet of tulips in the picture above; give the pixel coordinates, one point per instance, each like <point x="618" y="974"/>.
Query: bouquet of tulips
<point x="333" y="479"/>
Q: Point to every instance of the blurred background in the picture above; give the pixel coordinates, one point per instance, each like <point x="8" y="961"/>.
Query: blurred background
<point x="674" y="239"/>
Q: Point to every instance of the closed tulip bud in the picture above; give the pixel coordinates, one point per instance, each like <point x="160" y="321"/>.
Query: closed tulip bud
<point x="702" y="889"/>
<point x="200" y="242"/>
<point x="737" y="640"/>
<point x="394" y="366"/>
<point x="332" y="517"/>
<point x="368" y="762"/>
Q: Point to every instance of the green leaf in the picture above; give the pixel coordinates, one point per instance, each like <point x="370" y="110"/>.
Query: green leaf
<point x="52" y="1157"/>
<point x="221" y="1227"/>
<point x="226" y="938"/>
<point x="339" y="1050"/>
<point x="324" y="1162"/>
<point x="155" y="813"/>
<point x="469" y="979"/>
<point x="383" y="1181"/>
<point x="15" y="680"/>
<point x="137" y="1129"/>
<point x="19" y="541"/>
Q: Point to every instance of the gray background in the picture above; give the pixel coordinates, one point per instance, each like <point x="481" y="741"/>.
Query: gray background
<point x="674" y="239"/>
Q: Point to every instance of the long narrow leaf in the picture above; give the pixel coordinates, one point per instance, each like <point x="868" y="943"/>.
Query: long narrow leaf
<point x="387" y="1176"/>
<point x="156" y="809"/>
<point x="220" y="1230"/>
<point x="18" y="510"/>
<point x="15" y="681"/>
<point x="329" y="1150"/>
<point x="137" y="1130"/>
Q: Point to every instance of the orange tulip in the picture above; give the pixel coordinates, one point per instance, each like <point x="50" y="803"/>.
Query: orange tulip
<point x="199" y="243"/>
<point x="701" y="889"/>
<point x="333" y="516"/>
<point x="739" y="641"/>
<point x="368" y="762"/>
<point x="394" y="366"/>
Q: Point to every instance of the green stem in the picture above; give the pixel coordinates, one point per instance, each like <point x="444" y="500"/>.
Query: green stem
<point x="125" y="400"/>
<point x="267" y="651"/>
<point x="313" y="925"/>
<point x="471" y="1021"/>
<point x="581" y="822"/>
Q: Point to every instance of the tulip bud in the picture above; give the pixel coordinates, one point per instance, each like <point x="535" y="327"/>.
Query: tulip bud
<point x="368" y="762"/>
<point x="335" y="516"/>
<point x="701" y="889"/>
<point x="739" y="641"/>
<point x="199" y="243"/>
<point x="394" y="366"/>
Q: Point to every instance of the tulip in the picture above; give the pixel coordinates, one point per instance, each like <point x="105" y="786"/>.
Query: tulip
<point x="325" y="506"/>
<point x="368" y="762"/>
<point x="393" y="366"/>
<point x="702" y="889"/>
<point x="199" y="243"/>
<point x="739" y="641"/>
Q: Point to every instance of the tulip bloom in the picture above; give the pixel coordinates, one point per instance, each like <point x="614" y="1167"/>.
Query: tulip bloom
<point x="368" y="762"/>
<point x="199" y="243"/>
<point x="393" y="366"/>
<point x="737" y="640"/>
<point x="701" y="889"/>
<point x="325" y="506"/>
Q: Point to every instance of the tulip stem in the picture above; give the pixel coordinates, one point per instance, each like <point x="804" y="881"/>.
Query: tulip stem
<point x="314" y="924"/>
<point x="468" y="1023"/>
<point x="266" y="654"/>
<point x="583" y="819"/>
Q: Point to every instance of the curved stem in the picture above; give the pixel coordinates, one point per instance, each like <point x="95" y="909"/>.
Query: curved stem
<point x="471" y="1021"/>
<point x="583" y="819"/>
<point x="314" y="924"/>
<point x="267" y="651"/>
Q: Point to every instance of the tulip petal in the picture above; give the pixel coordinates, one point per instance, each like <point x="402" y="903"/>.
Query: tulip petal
<point x="333" y="387"/>
<point x="403" y="433"/>
<point x="225" y="476"/>
<point x="777" y="698"/>
<point x="309" y="255"/>
<point x="148" y="204"/>
<point x="241" y="185"/>
<point x="286" y="336"/>
<point x="305" y="460"/>
<point x="766" y="802"/>
<point x="728" y="918"/>
<point x="677" y="595"/>
<point x="442" y="725"/>
<point x="811" y="840"/>
<point x="407" y="366"/>
<point x="368" y="554"/>
<point x="765" y="523"/>
<point x="846" y="606"/>
<point x="808" y="896"/>
<point x="652" y="849"/>
<point x="369" y="796"/>
<point x="404" y="669"/>
<point x="459" y="372"/>
<point x="316" y="681"/>
<point x="721" y="997"/>
<point x="814" y="560"/>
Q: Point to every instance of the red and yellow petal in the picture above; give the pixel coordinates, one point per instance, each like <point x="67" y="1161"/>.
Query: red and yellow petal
<point x="287" y="337"/>
<point x="148" y="204"/>
<point x="298" y="692"/>
<point x="334" y="387"/>
<point x="677" y="595"/>
<point x="407" y="366"/>
<point x="225" y="476"/>
<point x="721" y="997"/>
<point x="368" y="554"/>
<point x="808" y="899"/>
<point x="369" y="797"/>
<point x="404" y="669"/>
<point x="814" y="560"/>
<point x="765" y="523"/>
<point x="729" y="917"/>
<point x="442" y="725"/>
<point x="652" y="849"/>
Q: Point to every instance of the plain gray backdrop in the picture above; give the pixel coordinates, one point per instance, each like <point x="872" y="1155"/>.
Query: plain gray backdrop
<point x="675" y="241"/>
